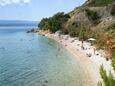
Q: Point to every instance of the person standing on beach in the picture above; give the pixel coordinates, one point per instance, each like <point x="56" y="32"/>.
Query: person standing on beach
<point x="94" y="50"/>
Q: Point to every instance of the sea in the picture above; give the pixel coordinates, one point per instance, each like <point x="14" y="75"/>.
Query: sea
<point x="28" y="59"/>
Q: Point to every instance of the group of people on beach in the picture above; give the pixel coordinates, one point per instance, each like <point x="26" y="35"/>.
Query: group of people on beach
<point x="82" y="47"/>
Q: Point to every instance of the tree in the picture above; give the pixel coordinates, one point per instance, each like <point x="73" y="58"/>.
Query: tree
<point x="44" y="24"/>
<point x="54" y="23"/>
<point x="82" y="35"/>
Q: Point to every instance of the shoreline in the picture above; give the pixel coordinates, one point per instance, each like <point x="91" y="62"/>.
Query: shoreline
<point x="80" y="58"/>
<point x="90" y="65"/>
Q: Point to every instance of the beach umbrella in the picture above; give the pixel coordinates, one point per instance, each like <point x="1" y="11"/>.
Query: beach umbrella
<point x="91" y="39"/>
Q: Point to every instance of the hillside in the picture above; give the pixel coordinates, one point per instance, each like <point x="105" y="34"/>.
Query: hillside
<point x="94" y="19"/>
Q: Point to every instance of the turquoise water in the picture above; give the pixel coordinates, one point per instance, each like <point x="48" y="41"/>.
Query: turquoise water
<point x="34" y="60"/>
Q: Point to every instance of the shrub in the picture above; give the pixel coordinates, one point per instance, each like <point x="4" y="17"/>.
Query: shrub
<point x="111" y="27"/>
<point x="100" y="2"/>
<point x="93" y="16"/>
<point x="108" y="80"/>
<point x="101" y="40"/>
<point x="73" y="31"/>
<point x="113" y="64"/>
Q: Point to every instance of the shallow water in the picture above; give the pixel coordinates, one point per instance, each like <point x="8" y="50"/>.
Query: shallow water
<point x="33" y="60"/>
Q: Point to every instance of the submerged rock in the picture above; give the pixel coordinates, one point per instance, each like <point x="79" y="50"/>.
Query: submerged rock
<point x="46" y="81"/>
<point x="34" y="30"/>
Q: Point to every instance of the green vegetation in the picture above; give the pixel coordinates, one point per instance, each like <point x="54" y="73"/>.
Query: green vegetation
<point x="54" y="23"/>
<point x="113" y="54"/>
<point x="107" y="79"/>
<point x="44" y="24"/>
<point x="111" y="29"/>
<point x="76" y="29"/>
<point x="85" y="33"/>
<point x="113" y="10"/>
<point x="113" y="60"/>
<point x="100" y="2"/>
<point x="73" y="29"/>
<point x="93" y="16"/>
<point x="113" y="64"/>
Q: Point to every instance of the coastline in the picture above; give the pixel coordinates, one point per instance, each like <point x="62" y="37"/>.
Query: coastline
<point x="90" y="65"/>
